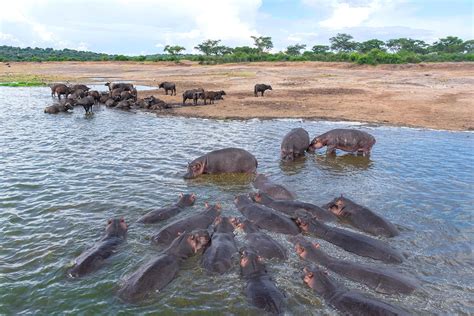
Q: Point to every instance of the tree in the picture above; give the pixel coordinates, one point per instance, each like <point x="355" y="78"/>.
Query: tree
<point x="367" y="46"/>
<point x="212" y="47"/>
<point x="469" y="46"/>
<point x="407" y="45"/>
<point x="173" y="50"/>
<point x="342" y="43"/>
<point x="450" y="44"/>
<point x="263" y="43"/>
<point x="320" y="49"/>
<point x="246" y="50"/>
<point x="295" y="50"/>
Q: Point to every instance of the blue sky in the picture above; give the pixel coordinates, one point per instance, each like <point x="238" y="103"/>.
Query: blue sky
<point x="145" y="26"/>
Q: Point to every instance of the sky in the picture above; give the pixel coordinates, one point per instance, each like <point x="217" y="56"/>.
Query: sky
<point x="138" y="27"/>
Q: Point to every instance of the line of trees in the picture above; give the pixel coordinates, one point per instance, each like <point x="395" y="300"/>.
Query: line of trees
<point x="342" y="48"/>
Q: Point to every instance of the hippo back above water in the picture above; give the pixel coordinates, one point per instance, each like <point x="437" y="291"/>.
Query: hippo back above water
<point x="294" y="144"/>
<point x="349" y="140"/>
<point x="228" y="160"/>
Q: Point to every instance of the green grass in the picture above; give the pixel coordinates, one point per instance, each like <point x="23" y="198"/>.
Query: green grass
<point x="23" y="84"/>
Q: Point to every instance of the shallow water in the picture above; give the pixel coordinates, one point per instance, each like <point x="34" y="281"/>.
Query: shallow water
<point x="62" y="176"/>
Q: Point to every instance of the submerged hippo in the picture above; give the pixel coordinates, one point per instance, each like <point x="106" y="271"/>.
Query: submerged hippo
<point x="228" y="160"/>
<point x="260" y="289"/>
<point x="292" y="208"/>
<point x="349" y="140"/>
<point x="219" y="256"/>
<point x="185" y="200"/>
<point x="91" y="259"/>
<point x="382" y="280"/>
<point x="201" y="220"/>
<point x="155" y="274"/>
<point x="261" y="243"/>
<point x="276" y="191"/>
<point x="58" y="108"/>
<point x="356" y="243"/>
<point x="361" y="217"/>
<point x="294" y="144"/>
<point x="346" y="301"/>
<point x="265" y="217"/>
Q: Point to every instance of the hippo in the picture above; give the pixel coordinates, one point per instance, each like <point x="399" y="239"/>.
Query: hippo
<point x="212" y="95"/>
<point x="82" y="87"/>
<point x="276" y="191"/>
<point x="167" y="86"/>
<point x="91" y="259"/>
<point x="158" y="272"/>
<point x="260" y="289"/>
<point x="57" y="108"/>
<point x="294" y="144"/>
<point x="124" y="86"/>
<point x="193" y="94"/>
<point x="201" y="220"/>
<point x="291" y="207"/>
<point x="346" y="301"/>
<point x="381" y="280"/>
<point x="356" y="243"/>
<point x="264" y="217"/>
<point x="218" y="257"/>
<point x="264" y="245"/>
<point x="349" y="140"/>
<point x="227" y="160"/>
<point x="260" y="87"/>
<point x="361" y="217"/>
<point x="161" y="214"/>
<point x="60" y="89"/>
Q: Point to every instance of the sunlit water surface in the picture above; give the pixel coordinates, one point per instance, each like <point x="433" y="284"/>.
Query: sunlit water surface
<point x="62" y="176"/>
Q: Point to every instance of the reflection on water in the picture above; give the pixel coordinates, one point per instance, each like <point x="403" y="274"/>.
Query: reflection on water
<point x="62" y="176"/>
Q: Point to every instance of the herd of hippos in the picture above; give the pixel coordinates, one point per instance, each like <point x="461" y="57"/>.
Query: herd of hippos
<point x="124" y="96"/>
<point x="274" y="208"/>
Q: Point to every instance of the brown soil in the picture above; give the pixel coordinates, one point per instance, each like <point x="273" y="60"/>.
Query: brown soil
<point x="426" y="95"/>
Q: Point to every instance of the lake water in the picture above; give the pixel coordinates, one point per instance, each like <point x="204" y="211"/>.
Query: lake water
<point x="62" y="176"/>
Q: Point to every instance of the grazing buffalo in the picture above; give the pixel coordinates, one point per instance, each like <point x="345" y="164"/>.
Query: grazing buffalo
<point x="350" y="140"/>
<point x="261" y="88"/>
<point x="212" y="95"/>
<point x="168" y="86"/>
<point x="294" y="144"/>
<point x="57" y="108"/>
<point x="228" y="160"/>
<point x="193" y="94"/>
<point x="91" y="259"/>
<point x="346" y="301"/>
<point x="260" y="289"/>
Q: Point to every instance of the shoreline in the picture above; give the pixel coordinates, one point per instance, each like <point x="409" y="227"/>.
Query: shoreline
<point x="432" y="95"/>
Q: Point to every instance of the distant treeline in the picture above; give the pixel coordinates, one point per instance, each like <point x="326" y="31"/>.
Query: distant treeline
<point x="342" y="48"/>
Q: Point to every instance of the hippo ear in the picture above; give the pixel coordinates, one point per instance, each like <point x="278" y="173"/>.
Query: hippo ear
<point x="316" y="245"/>
<point x="206" y="204"/>
<point x="181" y="194"/>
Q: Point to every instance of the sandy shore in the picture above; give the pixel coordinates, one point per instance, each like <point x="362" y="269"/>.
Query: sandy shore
<point x="436" y="96"/>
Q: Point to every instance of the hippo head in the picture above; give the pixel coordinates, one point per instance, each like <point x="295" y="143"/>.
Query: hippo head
<point x="250" y="262"/>
<point x="223" y="224"/>
<point x="187" y="199"/>
<point x="302" y="245"/>
<point x="195" y="168"/>
<point x="287" y="155"/>
<point x="317" y="143"/>
<point x="236" y="222"/>
<point x="198" y="239"/>
<point x="337" y="206"/>
<point x="318" y="280"/>
<point x="256" y="197"/>
<point x="116" y="227"/>
<point x="242" y="200"/>
<point x="302" y="223"/>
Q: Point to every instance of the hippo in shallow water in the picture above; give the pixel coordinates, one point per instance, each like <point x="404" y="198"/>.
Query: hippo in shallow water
<point x="356" y="243"/>
<point x="265" y="217"/>
<point x="218" y="257"/>
<point x="346" y="301"/>
<point x="263" y="184"/>
<point x="201" y="220"/>
<point x="361" y="217"/>
<point x="264" y="245"/>
<point x="155" y="274"/>
<point x="294" y="144"/>
<point x="185" y="200"/>
<point x="260" y="289"/>
<point x="349" y="140"/>
<point x="292" y="208"/>
<point x="228" y="160"/>
<point x="91" y="259"/>
<point x="382" y="280"/>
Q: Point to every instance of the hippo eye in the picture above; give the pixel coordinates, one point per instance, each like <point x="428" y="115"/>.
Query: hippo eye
<point x="310" y="274"/>
<point x="109" y="221"/>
